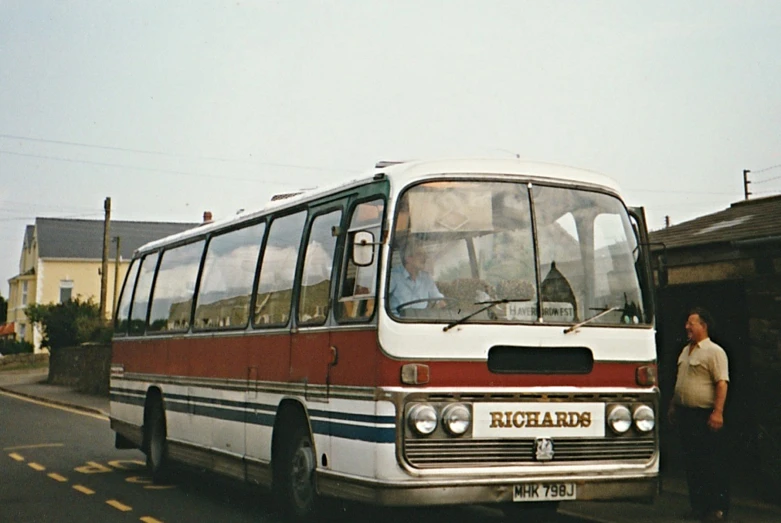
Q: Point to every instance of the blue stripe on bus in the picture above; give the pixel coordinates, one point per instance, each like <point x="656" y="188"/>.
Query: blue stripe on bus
<point x="346" y="416"/>
<point x="323" y="422"/>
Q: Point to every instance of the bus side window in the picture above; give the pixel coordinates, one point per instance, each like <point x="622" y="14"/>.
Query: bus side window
<point x="226" y="280"/>
<point x="122" y="314"/>
<point x="138" y="310"/>
<point x="318" y="265"/>
<point x="277" y="271"/>
<point x="358" y="286"/>
<point x="172" y="297"/>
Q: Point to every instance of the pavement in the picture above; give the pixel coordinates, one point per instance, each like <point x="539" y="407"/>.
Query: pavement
<point x="669" y="507"/>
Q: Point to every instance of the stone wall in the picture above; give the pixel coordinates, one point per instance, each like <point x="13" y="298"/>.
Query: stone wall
<point x="23" y="359"/>
<point x="85" y="368"/>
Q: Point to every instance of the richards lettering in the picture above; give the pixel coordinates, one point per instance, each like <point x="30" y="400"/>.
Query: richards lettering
<point x="533" y="419"/>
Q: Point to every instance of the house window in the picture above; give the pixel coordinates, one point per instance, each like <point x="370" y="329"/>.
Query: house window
<point x="24" y="293"/>
<point x="22" y="331"/>
<point x="66" y="290"/>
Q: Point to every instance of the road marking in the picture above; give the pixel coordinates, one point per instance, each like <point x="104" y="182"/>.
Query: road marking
<point x="93" y="467"/>
<point x="16" y="456"/>
<point x="37" y="446"/>
<point x="57" y="477"/>
<point x="148" y="519"/>
<point x="119" y="506"/>
<point x="147" y="482"/>
<point x="83" y="489"/>
<point x="36" y="466"/>
<point x="53" y="406"/>
<point x="127" y="464"/>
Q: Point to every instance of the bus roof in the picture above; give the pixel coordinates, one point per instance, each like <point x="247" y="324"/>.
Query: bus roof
<point x="405" y="172"/>
<point x="402" y="173"/>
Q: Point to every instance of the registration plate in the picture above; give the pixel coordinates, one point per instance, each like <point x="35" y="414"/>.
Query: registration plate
<point x="544" y="491"/>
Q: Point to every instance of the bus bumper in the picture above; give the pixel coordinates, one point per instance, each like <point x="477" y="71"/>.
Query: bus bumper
<point x="633" y="488"/>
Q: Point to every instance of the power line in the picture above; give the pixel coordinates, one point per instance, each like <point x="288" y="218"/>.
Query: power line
<point x="768" y="180"/>
<point x="666" y="191"/>
<point x="766" y="169"/>
<point x="94" y="146"/>
<point x="146" y="169"/>
<point x="70" y="216"/>
<point x="113" y="148"/>
<point x="172" y="155"/>
<point x="9" y="204"/>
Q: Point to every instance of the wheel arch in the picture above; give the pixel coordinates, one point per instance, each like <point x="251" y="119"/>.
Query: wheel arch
<point x="290" y="411"/>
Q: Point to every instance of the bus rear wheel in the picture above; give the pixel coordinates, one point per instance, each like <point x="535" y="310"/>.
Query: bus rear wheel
<point x="156" y="443"/>
<point x="296" y="475"/>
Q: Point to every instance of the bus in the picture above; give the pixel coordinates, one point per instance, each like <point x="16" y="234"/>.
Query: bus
<point x="434" y="333"/>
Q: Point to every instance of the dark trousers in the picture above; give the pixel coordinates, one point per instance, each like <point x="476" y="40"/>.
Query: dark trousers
<point x="706" y="459"/>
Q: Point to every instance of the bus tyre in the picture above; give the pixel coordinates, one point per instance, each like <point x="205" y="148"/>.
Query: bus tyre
<point x="296" y="487"/>
<point x="156" y="444"/>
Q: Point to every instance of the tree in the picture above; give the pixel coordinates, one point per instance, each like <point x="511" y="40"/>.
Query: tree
<point x="68" y="324"/>
<point x="3" y="309"/>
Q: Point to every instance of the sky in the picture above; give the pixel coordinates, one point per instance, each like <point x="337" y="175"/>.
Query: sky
<point x="175" y="108"/>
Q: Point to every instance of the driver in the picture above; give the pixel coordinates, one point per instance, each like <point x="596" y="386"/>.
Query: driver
<point x="409" y="282"/>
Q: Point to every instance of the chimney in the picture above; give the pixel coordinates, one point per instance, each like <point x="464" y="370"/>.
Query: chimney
<point x="207" y="216"/>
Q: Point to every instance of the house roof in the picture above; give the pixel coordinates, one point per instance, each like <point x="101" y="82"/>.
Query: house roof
<point x="83" y="239"/>
<point x="6" y="329"/>
<point x="744" y="220"/>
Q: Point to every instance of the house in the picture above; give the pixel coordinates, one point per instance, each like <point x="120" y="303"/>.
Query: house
<point x="62" y="259"/>
<point x="730" y="263"/>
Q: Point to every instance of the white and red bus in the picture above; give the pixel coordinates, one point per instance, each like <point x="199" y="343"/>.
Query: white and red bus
<point x="270" y="346"/>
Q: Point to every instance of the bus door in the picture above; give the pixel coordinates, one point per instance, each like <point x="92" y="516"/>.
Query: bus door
<point x="354" y="334"/>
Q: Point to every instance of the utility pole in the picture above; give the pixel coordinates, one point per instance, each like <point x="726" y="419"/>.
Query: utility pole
<point x="117" y="239"/>
<point x="746" y="192"/>
<point x="104" y="265"/>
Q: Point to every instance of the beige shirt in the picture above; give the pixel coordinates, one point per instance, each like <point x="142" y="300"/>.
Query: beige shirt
<point x="698" y="372"/>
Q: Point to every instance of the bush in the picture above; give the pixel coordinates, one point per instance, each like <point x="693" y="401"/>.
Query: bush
<point x="68" y="324"/>
<point x="8" y="347"/>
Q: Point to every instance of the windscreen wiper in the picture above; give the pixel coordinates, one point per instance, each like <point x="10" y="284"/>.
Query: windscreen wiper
<point x="485" y="306"/>
<point x="592" y="318"/>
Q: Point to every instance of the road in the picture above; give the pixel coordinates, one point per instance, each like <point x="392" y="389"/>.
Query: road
<point x="59" y="464"/>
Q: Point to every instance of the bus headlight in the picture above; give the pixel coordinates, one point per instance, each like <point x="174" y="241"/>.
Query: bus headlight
<point x="619" y="419"/>
<point x="422" y="419"/>
<point x="456" y="419"/>
<point x="644" y="418"/>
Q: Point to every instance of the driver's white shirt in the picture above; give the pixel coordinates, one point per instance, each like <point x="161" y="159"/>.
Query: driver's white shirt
<point x="404" y="289"/>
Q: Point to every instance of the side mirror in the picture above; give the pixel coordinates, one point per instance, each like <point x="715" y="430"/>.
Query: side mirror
<point x="363" y="248"/>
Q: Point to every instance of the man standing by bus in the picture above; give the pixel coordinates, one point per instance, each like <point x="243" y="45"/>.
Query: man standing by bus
<point x="697" y="409"/>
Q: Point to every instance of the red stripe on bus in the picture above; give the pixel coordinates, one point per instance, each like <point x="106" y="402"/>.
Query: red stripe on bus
<point x="308" y="357"/>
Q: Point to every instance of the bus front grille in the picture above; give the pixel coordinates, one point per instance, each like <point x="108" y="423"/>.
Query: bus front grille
<point x="444" y="453"/>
